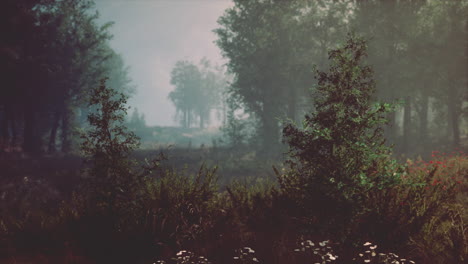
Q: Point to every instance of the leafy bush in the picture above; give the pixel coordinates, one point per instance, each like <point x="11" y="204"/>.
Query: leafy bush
<point x="128" y="214"/>
<point x="339" y="144"/>
<point x="442" y="238"/>
<point x="180" y="207"/>
<point x="424" y="212"/>
<point x="111" y="182"/>
<point x="29" y="214"/>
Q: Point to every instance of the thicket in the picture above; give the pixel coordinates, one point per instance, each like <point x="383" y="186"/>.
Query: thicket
<point x="339" y="190"/>
<point x="336" y="153"/>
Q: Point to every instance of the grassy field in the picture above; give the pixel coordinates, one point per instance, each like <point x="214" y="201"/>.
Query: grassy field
<point x="226" y="213"/>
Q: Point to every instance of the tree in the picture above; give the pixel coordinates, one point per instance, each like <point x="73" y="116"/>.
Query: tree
<point x="137" y="121"/>
<point x="77" y="55"/>
<point x="247" y="37"/>
<point x="197" y="91"/>
<point x="186" y="78"/>
<point x="20" y="97"/>
<point x="62" y="50"/>
<point x="271" y="46"/>
<point x="448" y="26"/>
<point x="214" y="84"/>
<point x="239" y="127"/>
<point x="414" y="62"/>
<point x="107" y="146"/>
<point x="341" y="143"/>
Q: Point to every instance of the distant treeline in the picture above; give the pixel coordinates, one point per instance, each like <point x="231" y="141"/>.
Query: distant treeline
<point x="418" y="50"/>
<point x="199" y="89"/>
<point x="51" y="53"/>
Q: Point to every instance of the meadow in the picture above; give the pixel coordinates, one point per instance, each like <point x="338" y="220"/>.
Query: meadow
<point x="183" y="214"/>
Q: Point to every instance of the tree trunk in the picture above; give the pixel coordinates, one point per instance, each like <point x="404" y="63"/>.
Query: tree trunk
<point x="406" y="125"/>
<point x="453" y="116"/>
<point x="66" y="144"/>
<point x="423" y="134"/>
<point x="31" y="142"/>
<point x="202" y="120"/>
<point x="224" y="109"/>
<point x="5" y="137"/>
<point x="391" y="130"/>
<point x="292" y="105"/>
<point x="456" y="129"/>
<point x="189" y="119"/>
<point x="270" y="133"/>
<point x="14" y="132"/>
<point x="53" y="132"/>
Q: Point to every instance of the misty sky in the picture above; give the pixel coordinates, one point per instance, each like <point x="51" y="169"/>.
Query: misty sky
<point x="152" y="35"/>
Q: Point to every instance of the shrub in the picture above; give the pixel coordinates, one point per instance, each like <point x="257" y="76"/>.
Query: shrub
<point x="111" y="185"/>
<point x="180" y="206"/>
<point x="424" y="214"/>
<point x="443" y="235"/>
<point x="339" y="144"/>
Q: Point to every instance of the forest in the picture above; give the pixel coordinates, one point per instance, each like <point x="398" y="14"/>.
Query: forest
<point x="333" y="131"/>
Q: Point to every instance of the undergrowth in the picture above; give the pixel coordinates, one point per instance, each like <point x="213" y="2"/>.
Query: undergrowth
<point x="422" y="218"/>
<point x="341" y="188"/>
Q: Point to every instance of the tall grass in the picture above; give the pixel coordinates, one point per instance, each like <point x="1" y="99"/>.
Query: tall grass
<point x="423" y="218"/>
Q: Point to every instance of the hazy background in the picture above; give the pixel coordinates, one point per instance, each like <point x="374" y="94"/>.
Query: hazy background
<point x="152" y="35"/>
<point x="301" y="152"/>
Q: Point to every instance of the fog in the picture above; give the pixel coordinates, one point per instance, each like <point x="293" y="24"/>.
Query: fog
<point x="152" y="36"/>
<point x="245" y="67"/>
<point x="227" y="132"/>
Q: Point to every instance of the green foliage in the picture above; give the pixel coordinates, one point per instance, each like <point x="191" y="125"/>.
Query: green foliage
<point x="137" y="121"/>
<point x="197" y="91"/>
<point x="137" y="124"/>
<point x="341" y="142"/>
<point x="440" y="207"/>
<point x="234" y="131"/>
<point x="430" y="82"/>
<point x="29" y="207"/>
<point x="181" y="206"/>
<point x="63" y="50"/>
<point x="252" y="45"/>
<point x="188" y="211"/>
<point x="271" y="46"/>
<point x="238" y="128"/>
<point x="339" y="172"/>
<point x="423" y="212"/>
<point x="107" y="146"/>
